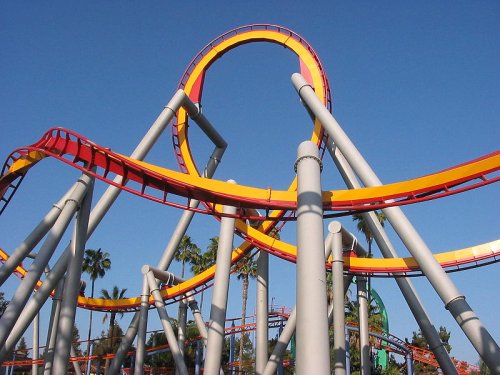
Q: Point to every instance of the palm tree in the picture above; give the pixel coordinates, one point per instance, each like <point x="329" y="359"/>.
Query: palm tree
<point x="364" y="228"/>
<point x="201" y="262"/>
<point x="186" y="252"/>
<point x="246" y="268"/>
<point x="95" y="263"/>
<point x="115" y="295"/>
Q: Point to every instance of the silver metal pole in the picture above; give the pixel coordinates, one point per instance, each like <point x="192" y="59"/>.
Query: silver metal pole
<point x="36" y="334"/>
<point x="33" y="238"/>
<point x="72" y="284"/>
<point x="409" y="364"/>
<point x="262" y="328"/>
<point x="142" y="149"/>
<point x="453" y="300"/>
<point x="200" y="324"/>
<point x="34" y="305"/>
<point x="167" y="327"/>
<point x="313" y="356"/>
<point x="124" y="346"/>
<point x="168" y="255"/>
<point x="141" y="334"/>
<point x="388" y="251"/>
<point x="112" y="192"/>
<point x="335" y="228"/>
<point x="347" y="351"/>
<point x="219" y="294"/>
<point x="364" y="344"/>
<point x="182" y="325"/>
<point x="36" y="269"/>
<point x="76" y="365"/>
<point x="281" y="345"/>
<point x="289" y="329"/>
<point x="48" y="353"/>
<point x="187" y="216"/>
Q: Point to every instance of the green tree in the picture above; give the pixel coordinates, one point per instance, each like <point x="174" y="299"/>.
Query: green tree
<point x="95" y="263"/>
<point x="419" y="341"/>
<point x="393" y="368"/>
<point x="161" y="358"/>
<point x="187" y="252"/>
<point x="246" y="268"/>
<point x="75" y="341"/>
<point x="206" y="260"/>
<point x="364" y="228"/>
<point x="483" y="369"/>
<point x="116" y="294"/>
<point x="375" y="324"/>
<point x="22" y="349"/>
<point x="246" y="357"/>
<point x="101" y="346"/>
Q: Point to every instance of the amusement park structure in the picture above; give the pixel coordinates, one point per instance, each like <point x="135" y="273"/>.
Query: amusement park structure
<point x="251" y="213"/>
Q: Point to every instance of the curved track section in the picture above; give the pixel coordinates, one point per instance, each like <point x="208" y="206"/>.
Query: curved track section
<point x="156" y="183"/>
<point x="159" y="184"/>
<point x="452" y="261"/>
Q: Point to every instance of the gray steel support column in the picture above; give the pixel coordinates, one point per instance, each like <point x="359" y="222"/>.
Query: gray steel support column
<point x="364" y="344"/>
<point x="212" y="164"/>
<point x="232" y="350"/>
<point x="108" y="198"/>
<point x="313" y="355"/>
<point x="339" y="351"/>
<point x="200" y="324"/>
<point x="36" y="269"/>
<point x="169" y="252"/>
<point x="409" y="364"/>
<point x="388" y="251"/>
<point x="220" y="292"/>
<point x="182" y="321"/>
<point x="262" y="328"/>
<point x="167" y="327"/>
<point x="286" y="334"/>
<point x="48" y="354"/>
<point x="76" y="365"/>
<point x="72" y="284"/>
<point x="142" y="149"/>
<point x="33" y="238"/>
<point x="141" y="333"/>
<point x="187" y="216"/>
<point x="124" y="346"/>
<point x="347" y="352"/>
<point x="202" y="328"/>
<point x="34" y="305"/>
<point x="36" y="343"/>
<point x="281" y="345"/>
<point x="453" y="300"/>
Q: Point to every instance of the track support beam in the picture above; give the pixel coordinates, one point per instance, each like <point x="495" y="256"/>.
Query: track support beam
<point x="313" y="356"/>
<point x="453" y="300"/>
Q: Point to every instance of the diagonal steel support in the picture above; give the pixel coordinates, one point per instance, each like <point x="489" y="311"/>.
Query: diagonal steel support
<point x="453" y="300"/>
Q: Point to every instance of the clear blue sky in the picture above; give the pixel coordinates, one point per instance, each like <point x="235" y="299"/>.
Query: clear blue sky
<point x="416" y="87"/>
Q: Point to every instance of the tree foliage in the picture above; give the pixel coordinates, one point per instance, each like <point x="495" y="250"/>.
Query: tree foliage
<point x="96" y="263"/>
<point x="75" y="340"/>
<point x="364" y="228"/>
<point x="419" y="341"/>
<point x="22" y="349"/>
<point x="187" y="252"/>
<point x="246" y="268"/>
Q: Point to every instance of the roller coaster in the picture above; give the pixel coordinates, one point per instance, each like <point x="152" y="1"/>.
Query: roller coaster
<point x="252" y="213"/>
